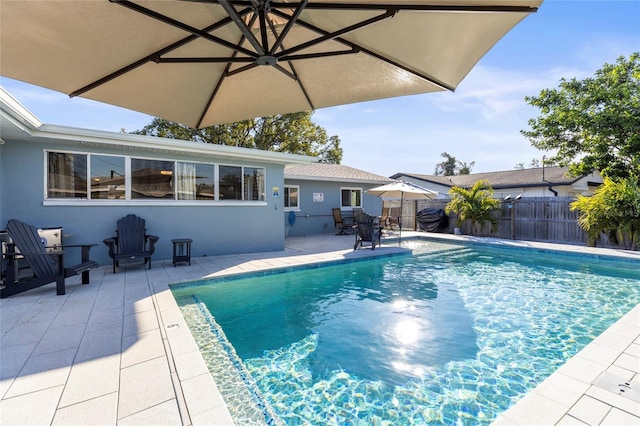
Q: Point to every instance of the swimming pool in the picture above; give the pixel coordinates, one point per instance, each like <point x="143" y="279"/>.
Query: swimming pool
<point x="452" y="334"/>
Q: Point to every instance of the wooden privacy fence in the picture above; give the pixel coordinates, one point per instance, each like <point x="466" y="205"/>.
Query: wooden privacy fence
<point x="545" y="219"/>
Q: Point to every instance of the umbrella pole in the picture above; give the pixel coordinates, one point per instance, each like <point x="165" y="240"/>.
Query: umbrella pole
<point x="400" y="218"/>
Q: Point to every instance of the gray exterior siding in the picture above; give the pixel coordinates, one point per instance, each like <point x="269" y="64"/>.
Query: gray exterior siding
<point x="215" y="229"/>
<point x="316" y="217"/>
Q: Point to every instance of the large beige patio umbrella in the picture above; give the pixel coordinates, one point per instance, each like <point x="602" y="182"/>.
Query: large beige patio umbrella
<point x="204" y="62"/>
<point x="404" y="191"/>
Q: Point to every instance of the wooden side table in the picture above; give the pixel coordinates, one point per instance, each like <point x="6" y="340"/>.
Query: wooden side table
<point x="181" y="250"/>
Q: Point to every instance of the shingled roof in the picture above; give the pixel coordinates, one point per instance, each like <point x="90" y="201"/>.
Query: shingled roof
<point x="505" y="179"/>
<point x="332" y="172"/>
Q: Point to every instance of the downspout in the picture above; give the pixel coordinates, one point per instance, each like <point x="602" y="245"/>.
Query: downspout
<point x="550" y="188"/>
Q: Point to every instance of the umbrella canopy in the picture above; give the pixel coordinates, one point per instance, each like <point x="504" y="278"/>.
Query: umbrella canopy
<point x="205" y="62"/>
<point x="403" y="191"/>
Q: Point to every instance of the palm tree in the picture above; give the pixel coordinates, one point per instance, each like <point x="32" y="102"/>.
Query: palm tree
<point x="475" y="205"/>
<point x="614" y="209"/>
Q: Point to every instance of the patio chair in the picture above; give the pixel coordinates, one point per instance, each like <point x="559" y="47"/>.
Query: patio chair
<point x="345" y="225"/>
<point x="47" y="265"/>
<point x="390" y="217"/>
<point x="131" y="242"/>
<point x="367" y="231"/>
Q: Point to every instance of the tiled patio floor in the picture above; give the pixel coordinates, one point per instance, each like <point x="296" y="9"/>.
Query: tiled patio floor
<point x="117" y="351"/>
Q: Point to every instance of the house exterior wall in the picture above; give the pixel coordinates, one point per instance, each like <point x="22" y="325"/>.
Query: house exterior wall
<point x="316" y="217"/>
<point x="579" y="187"/>
<point x="214" y="229"/>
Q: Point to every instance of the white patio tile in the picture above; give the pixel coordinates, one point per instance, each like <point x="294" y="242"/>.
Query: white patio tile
<point x="143" y="386"/>
<point x="562" y="389"/>
<point x="202" y="396"/>
<point x="589" y="410"/>
<point x="23" y="333"/>
<point x="73" y="314"/>
<point x="568" y="420"/>
<point x="622" y="372"/>
<point x="582" y="369"/>
<point x="189" y="365"/>
<point x="628" y="361"/>
<point x="42" y="372"/>
<point x="621" y="418"/>
<point x="633" y="350"/>
<point x="211" y="417"/>
<point x="35" y="408"/>
<point x="166" y="413"/>
<point x="614" y="340"/>
<point x="98" y="344"/>
<point x="100" y="411"/>
<point x="535" y="409"/>
<point x="182" y="342"/>
<point x="57" y="339"/>
<point x="599" y="354"/>
<point x="139" y="305"/>
<point x="141" y="347"/>
<point x="613" y="399"/>
<point x="104" y="319"/>
<point x="12" y="360"/>
<point x="139" y="322"/>
<point x="91" y="379"/>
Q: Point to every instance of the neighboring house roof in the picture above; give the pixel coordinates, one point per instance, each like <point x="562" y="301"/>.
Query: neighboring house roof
<point x="553" y="175"/>
<point x="332" y="172"/>
<point x="17" y="123"/>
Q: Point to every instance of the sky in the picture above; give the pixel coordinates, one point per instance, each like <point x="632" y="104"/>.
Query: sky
<point x="480" y="122"/>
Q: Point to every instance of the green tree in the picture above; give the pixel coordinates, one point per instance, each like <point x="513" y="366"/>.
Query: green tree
<point x="292" y="133"/>
<point x="450" y="166"/>
<point x="535" y="163"/>
<point x="475" y="205"/>
<point x="592" y="124"/>
<point x="614" y="209"/>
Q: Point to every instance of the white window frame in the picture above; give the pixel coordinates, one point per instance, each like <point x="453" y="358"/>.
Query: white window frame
<point x="349" y="188"/>
<point x="146" y="202"/>
<point x="296" y="208"/>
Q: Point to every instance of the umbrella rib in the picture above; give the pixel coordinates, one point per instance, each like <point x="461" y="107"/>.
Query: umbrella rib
<point x="423" y="76"/>
<point x="318" y="55"/>
<point x="287" y="28"/>
<point x="181" y="25"/>
<point x="389" y="13"/>
<point x="279" y="40"/>
<point x="410" y="7"/>
<point x="224" y="75"/>
<point x="246" y="32"/>
<point x="200" y="60"/>
<point x="152" y="57"/>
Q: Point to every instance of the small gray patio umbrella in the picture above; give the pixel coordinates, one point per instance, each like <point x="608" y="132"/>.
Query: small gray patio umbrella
<point x="404" y="191"/>
<point x="205" y="62"/>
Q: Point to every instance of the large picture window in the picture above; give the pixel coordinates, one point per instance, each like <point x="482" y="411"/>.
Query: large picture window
<point x="107" y="177"/>
<point x="254" y="189"/>
<point x="350" y="197"/>
<point x="195" y="181"/>
<point x="66" y="175"/>
<point x="230" y="183"/>
<point x="112" y="177"/>
<point x="151" y="179"/>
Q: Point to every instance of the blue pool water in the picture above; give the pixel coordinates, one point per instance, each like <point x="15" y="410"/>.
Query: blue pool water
<point x="451" y="335"/>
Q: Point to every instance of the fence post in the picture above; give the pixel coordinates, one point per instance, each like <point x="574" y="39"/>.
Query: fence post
<point x="513" y="220"/>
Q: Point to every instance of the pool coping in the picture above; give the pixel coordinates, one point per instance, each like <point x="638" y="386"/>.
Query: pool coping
<point x="146" y="368"/>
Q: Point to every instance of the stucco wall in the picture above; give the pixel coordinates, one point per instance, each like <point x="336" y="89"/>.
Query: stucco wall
<point x="316" y="217"/>
<point x="214" y="229"/>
